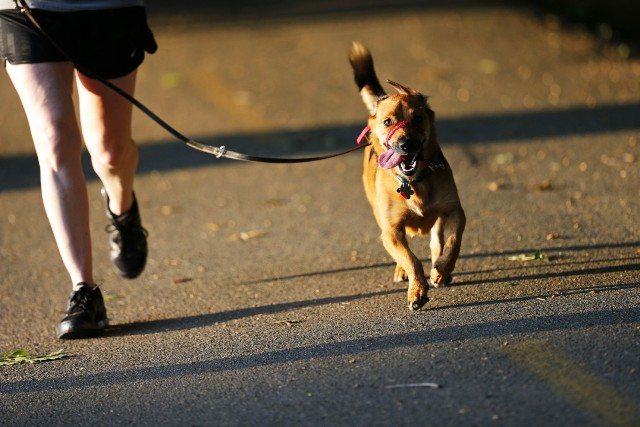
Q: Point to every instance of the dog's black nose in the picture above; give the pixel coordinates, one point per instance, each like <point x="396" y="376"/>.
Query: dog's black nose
<point x="408" y="145"/>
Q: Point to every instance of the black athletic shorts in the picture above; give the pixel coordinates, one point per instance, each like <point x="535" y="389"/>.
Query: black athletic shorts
<point x="108" y="43"/>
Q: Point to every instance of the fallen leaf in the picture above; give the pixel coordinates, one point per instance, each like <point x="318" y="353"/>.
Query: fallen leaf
<point x="247" y="235"/>
<point x="288" y="322"/>
<point x="213" y="227"/>
<point x="545" y="185"/>
<point x="552" y="236"/>
<point x="504" y="158"/>
<point x="22" y="356"/>
<point x="275" y="203"/>
<point x="488" y="66"/>
<point x="494" y="186"/>
<point x="182" y="280"/>
<point x="536" y="256"/>
<point x="111" y="297"/>
<point x="171" y="80"/>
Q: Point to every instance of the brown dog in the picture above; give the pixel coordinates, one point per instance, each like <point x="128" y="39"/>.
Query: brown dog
<point x="408" y="182"/>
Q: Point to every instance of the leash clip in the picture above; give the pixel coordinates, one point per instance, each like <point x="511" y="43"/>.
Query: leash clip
<point x="20" y="6"/>
<point x="222" y="150"/>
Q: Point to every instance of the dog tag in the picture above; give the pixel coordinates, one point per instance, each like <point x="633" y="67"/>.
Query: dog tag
<point x="405" y="190"/>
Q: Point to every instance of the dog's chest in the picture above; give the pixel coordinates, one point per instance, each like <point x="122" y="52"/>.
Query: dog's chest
<point x="417" y="204"/>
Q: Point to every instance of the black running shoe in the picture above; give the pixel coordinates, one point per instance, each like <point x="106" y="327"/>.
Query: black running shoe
<point x="86" y="314"/>
<point x="127" y="240"/>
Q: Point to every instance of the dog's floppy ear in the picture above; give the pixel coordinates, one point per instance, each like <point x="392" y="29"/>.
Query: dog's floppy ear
<point x="403" y="90"/>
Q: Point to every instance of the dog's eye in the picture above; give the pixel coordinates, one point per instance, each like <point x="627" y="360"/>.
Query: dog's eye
<point x="387" y="122"/>
<point x="417" y="119"/>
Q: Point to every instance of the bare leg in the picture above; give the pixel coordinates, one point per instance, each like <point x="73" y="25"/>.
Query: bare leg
<point x="45" y="90"/>
<point x="106" y="126"/>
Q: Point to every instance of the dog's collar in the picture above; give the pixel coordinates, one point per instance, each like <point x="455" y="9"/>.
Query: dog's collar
<point x="405" y="189"/>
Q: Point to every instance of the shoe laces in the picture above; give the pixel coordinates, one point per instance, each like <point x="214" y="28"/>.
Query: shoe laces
<point x="117" y="229"/>
<point x="80" y="300"/>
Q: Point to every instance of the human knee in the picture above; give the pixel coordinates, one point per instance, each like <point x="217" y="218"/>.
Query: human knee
<point x="112" y="153"/>
<point x="57" y="142"/>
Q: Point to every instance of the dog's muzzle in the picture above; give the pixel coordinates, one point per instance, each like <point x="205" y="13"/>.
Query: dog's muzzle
<point x="400" y="125"/>
<point x="404" y="153"/>
<point x="406" y="149"/>
<point x="407" y="146"/>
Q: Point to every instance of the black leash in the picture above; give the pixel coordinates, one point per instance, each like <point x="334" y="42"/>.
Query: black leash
<point x="219" y="152"/>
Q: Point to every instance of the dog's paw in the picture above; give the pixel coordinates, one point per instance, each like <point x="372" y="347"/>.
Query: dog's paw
<point x="419" y="303"/>
<point x="437" y="279"/>
<point x="447" y="281"/>
<point x="400" y="275"/>
<point x="417" y="299"/>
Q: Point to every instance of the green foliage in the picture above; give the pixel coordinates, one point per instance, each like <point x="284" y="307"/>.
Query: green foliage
<point x="535" y="256"/>
<point x="23" y="356"/>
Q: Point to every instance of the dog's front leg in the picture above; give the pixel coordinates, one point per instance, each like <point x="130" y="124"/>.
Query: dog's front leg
<point x="443" y="267"/>
<point x="395" y="242"/>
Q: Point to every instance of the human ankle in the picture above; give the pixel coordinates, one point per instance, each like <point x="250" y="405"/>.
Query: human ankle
<point x="79" y="285"/>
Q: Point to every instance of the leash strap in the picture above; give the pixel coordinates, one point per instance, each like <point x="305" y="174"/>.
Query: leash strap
<point x="218" y="152"/>
<point x="363" y="134"/>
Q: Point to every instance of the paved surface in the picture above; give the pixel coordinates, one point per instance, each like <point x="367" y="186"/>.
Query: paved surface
<point x="268" y="296"/>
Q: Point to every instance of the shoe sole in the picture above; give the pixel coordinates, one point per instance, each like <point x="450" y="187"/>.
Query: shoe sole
<point x="66" y="331"/>
<point x="128" y="274"/>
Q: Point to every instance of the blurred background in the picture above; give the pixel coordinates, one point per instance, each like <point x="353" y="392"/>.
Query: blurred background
<point x="617" y="14"/>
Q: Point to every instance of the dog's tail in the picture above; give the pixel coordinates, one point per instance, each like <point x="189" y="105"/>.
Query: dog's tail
<point x="365" y="76"/>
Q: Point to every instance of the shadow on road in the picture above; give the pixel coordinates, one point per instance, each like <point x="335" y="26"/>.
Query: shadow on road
<point x="21" y="172"/>
<point x="495" y="329"/>
<point x="203" y="320"/>
<point x="550" y="251"/>
<point x="190" y="322"/>
<point x="544" y="296"/>
<point x="554" y="274"/>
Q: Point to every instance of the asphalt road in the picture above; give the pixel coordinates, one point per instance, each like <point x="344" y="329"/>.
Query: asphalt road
<point x="268" y="298"/>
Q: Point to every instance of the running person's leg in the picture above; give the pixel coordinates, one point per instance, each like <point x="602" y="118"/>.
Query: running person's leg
<point x="45" y="90"/>
<point x="105" y="117"/>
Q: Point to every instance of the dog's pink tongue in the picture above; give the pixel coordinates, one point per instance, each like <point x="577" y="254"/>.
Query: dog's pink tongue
<point x="390" y="159"/>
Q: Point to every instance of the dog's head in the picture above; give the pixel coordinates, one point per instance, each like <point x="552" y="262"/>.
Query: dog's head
<point x="403" y="129"/>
